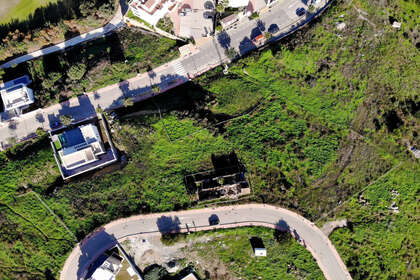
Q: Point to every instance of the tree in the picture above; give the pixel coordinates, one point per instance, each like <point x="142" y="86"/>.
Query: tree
<point x="231" y="53"/>
<point x="127" y="102"/>
<point x="77" y="71"/>
<point x="221" y="6"/>
<point x="11" y="141"/>
<point x="157" y="272"/>
<point x="87" y="8"/>
<point x="156" y="89"/>
<point x="311" y="8"/>
<point x="40" y="132"/>
<point x="2" y="72"/>
<point x="66" y="120"/>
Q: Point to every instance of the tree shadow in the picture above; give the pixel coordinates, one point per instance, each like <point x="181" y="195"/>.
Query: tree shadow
<point x="224" y="40"/>
<point x="214" y="220"/>
<point x="116" y="52"/>
<point x="39" y="117"/>
<point x="260" y="25"/>
<point x="245" y="46"/>
<point x="168" y="224"/>
<point x="71" y="33"/>
<point x="255" y="32"/>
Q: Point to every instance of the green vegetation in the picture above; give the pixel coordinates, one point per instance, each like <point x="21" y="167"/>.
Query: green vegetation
<point x="28" y="25"/>
<point x="20" y="9"/>
<point x="382" y="243"/>
<point x="166" y="24"/>
<point x="286" y="258"/>
<point x="317" y="120"/>
<point x="136" y="18"/>
<point x="94" y="65"/>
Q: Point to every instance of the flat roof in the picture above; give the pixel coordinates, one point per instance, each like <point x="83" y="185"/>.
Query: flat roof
<point x="190" y="276"/>
<point x="16" y="96"/>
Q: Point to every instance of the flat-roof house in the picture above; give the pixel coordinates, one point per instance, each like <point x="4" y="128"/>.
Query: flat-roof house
<point x="80" y="145"/>
<point x="17" y="98"/>
<point x="82" y="149"/>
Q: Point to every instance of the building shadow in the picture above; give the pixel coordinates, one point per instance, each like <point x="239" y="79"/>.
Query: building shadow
<point x="91" y="248"/>
<point x="78" y="109"/>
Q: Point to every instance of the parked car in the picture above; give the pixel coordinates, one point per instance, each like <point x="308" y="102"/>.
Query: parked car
<point x="214" y="220"/>
<point x="300" y="12"/>
<point x="274" y="28"/>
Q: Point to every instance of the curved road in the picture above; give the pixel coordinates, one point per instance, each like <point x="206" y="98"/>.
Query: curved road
<point x="303" y="230"/>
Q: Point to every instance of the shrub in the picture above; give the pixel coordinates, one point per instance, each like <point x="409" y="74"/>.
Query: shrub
<point x="166" y="24"/>
<point x="231" y="53"/>
<point x="77" y="71"/>
<point x="66" y="120"/>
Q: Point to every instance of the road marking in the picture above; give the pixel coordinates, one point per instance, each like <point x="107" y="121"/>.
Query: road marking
<point x="179" y="68"/>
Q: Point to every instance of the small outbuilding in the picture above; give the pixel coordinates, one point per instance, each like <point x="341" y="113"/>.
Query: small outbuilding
<point x="258" y="247"/>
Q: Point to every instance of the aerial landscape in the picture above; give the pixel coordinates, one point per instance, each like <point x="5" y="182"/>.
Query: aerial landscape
<point x="209" y="139"/>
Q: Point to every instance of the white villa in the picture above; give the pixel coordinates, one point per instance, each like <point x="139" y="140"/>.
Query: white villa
<point x="108" y="270"/>
<point x="80" y="146"/>
<point x="16" y="98"/>
<point x="152" y="11"/>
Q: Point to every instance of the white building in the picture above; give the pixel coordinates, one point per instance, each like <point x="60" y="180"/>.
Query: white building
<point x="190" y="276"/>
<point x="16" y="98"/>
<point x="260" y="252"/>
<point x="80" y="146"/>
<point x="108" y="270"/>
<point x="151" y="11"/>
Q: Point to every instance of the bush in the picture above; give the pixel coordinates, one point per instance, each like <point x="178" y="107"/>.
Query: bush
<point x="66" y="120"/>
<point x="77" y="71"/>
<point x="166" y="24"/>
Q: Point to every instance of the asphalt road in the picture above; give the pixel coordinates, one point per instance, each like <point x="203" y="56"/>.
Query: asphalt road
<point x="197" y="220"/>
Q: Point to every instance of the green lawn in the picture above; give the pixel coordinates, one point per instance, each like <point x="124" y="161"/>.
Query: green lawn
<point x="19" y="9"/>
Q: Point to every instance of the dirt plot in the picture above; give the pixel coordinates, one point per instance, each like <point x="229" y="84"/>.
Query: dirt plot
<point x="150" y="250"/>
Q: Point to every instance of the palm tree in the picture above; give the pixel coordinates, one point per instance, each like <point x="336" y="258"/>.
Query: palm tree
<point x="128" y="102"/>
<point x="66" y="120"/>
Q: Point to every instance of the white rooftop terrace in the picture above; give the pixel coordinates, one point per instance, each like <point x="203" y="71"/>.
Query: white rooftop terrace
<point x="152" y="11"/>
<point x="17" y="97"/>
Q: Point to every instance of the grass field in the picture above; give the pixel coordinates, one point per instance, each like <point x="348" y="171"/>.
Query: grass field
<point x="19" y="9"/>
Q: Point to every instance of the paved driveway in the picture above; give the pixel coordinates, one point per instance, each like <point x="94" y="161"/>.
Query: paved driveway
<point x="197" y="220"/>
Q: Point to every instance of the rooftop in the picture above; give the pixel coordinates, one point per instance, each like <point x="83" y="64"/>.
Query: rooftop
<point x="190" y="276"/>
<point x="16" y="97"/>
<point x="82" y="149"/>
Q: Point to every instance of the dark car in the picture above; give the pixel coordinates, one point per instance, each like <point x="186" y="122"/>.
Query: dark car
<point x="274" y="28"/>
<point x="214" y="220"/>
<point x="300" y="11"/>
